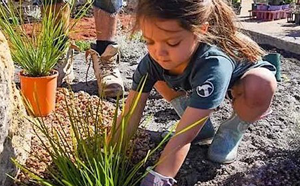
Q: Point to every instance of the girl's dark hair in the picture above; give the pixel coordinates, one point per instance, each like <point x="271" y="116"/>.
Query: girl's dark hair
<point x="192" y="14"/>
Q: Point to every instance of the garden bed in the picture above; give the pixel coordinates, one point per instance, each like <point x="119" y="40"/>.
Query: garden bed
<point x="269" y="153"/>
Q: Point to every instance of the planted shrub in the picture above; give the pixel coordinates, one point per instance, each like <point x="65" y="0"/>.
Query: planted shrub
<point x="81" y="150"/>
<point x="81" y="153"/>
<point x="37" y="52"/>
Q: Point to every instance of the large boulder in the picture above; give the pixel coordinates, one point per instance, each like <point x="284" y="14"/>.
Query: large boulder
<point x="15" y="128"/>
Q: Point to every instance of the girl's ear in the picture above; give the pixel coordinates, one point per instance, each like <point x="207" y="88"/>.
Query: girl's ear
<point x="204" y="27"/>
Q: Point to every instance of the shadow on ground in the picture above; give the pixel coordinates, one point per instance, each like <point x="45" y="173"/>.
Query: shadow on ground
<point x="284" y="165"/>
<point x="89" y="87"/>
<point x="293" y="33"/>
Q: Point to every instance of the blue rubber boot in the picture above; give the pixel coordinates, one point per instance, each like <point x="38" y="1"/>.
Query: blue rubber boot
<point x="207" y="132"/>
<point x="227" y="139"/>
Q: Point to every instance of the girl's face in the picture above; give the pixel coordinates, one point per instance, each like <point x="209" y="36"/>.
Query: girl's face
<point x="169" y="44"/>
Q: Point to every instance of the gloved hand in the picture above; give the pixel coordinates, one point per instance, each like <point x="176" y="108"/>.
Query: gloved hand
<point x="155" y="179"/>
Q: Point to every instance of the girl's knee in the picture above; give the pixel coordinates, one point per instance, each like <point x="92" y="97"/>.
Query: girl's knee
<point x="259" y="86"/>
<point x="255" y="93"/>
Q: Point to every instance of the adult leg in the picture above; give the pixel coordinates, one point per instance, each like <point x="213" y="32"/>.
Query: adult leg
<point x="106" y="26"/>
<point x="61" y="12"/>
<point x="252" y="96"/>
<point x="105" y="51"/>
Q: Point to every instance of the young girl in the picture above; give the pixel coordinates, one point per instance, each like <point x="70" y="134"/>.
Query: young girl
<point x="196" y="56"/>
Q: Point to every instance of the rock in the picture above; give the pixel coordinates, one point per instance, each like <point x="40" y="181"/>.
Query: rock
<point x="14" y="123"/>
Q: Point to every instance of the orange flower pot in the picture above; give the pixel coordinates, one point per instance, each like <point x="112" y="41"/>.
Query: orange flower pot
<point x="40" y="92"/>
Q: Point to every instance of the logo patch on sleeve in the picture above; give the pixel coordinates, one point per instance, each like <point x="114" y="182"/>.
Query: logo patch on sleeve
<point x="205" y="90"/>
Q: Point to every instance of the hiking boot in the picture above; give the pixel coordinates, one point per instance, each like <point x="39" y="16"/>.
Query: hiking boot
<point x="225" y="144"/>
<point x="64" y="67"/>
<point x="110" y="83"/>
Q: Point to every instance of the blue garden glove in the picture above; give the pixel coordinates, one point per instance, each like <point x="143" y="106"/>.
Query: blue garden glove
<point x="155" y="179"/>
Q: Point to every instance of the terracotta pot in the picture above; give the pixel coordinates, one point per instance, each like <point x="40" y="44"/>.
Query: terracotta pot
<point x="40" y="92"/>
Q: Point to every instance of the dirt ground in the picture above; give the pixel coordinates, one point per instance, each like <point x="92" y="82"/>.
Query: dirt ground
<point x="269" y="153"/>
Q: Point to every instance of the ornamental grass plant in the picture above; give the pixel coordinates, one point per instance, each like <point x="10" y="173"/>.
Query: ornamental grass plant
<point x="84" y="155"/>
<point x="37" y="52"/>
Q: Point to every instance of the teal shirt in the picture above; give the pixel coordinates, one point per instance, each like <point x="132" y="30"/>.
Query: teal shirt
<point x="206" y="79"/>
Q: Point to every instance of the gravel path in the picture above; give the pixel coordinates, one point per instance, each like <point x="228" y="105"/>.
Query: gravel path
<point x="269" y="152"/>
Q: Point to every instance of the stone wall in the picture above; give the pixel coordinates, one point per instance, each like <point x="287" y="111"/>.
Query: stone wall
<point x="14" y="124"/>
